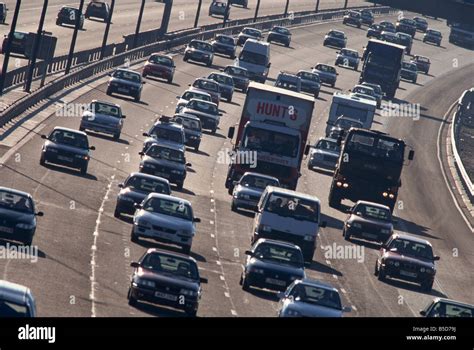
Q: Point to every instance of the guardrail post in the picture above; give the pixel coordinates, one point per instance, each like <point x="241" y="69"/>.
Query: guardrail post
<point x="256" y="11"/>
<point x="166" y="17"/>
<point x="226" y="14"/>
<point x="345" y="3"/>
<point x="286" y="7"/>
<point x="107" y="29"/>
<point x="6" y="58"/>
<point x="317" y="6"/>
<point x="139" y="22"/>
<point x="74" y="38"/>
<point x="36" y="46"/>
<point x="198" y="13"/>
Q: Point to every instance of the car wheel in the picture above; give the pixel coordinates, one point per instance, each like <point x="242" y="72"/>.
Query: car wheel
<point x="213" y="131"/>
<point x="427" y="286"/>
<point x="84" y="169"/>
<point x="58" y="23"/>
<point x="191" y="312"/>
<point x="381" y="275"/>
<point x="185" y="58"/>
<point x="347" y="235"/>
<point x="170" y="80"/>
<point x="334" y="201"/>
<point x="117" y="213"/>
<point x="233" y="207"/>
<point x="245" y="284"/>
<point x="137" y="98"/>
<point x="316" y="94"/>
<point x="196" y="148"/>
<point x="186" y="249"/>
<point x="287" y="45"/>
<point x="209" y="63"/>
<point x="179" y="186"/>
<point x="414" y="81"/>
<point x="229" y="99"/>
<point x="144" y="75"/>
<point x="333" y="84"/>
<point x="42" y="160"/>
<point x="108" y="92"/>
<point x="117" y="136"/>
<point x="28" y="241"/>
<point x="131" y="300"/>
<point x="134" y="238"/>
<point x="82" y="128"/>
<point x="356" y="68"/>
<point x="376" y="270"/>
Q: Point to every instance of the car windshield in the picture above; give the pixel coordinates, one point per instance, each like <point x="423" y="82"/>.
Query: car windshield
<point x="206" y="85"/>
<point x="11" y="309"/>
<point x="445" y="309"/>
<point x="200" y="45"/>
<point x="316" y="295"/>
<point x="163" y="263"/>
<point x="69" y="138"/>
<point x="126" y="75"/>
<point x="147" y="185"/>
<point x="203" y="107"/>
<point x="364" y="90"/>
<point x="270" y="141"/>
<point x="411" y="248"/>
<point x="350" y="53"/>
<point x="434" y="33"/>
<point x="174" y="208"/>
<point x="253" y="58"/>
<point x="189" y="95"/>
<point x="327" y="145"/>
<point x="68" y="11"/>
<point x="281" y="30"/>
<point x="222" y="79"/>
<point x="309" y="76"/>
<point x="16" y="202"/>
<point x="408" y="21"/>
<point x="387" y="25"/>
<point x="188" y="123"/>
<point x="228" y="40"/>
<point x="103" y="108"/>
<point x="288" y="83"/>
<point x="161" y="152"/>
<point x="336" y="34"/>
<point x="369" y="211"/>
<point x="252" y="32"/>
<point x="325" y="68"/>
<point x="422" y="59"/>
<point x="376" y="26"/>
<point x="354" y="14"/>
<point x="376" y="88"/>
<point x="294" y="207"/>
<point x="409" y="66"/>
<point x="236" y="71"/>
<point x="279" y="254"/>
<point x="162" y="60"/>
<point x="163" y="133"/>
<point x="420" y="20"/>
<point x="257" y="181"/>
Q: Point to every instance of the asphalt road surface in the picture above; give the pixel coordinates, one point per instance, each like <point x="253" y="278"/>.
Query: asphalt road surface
<point x="85" y="252"/>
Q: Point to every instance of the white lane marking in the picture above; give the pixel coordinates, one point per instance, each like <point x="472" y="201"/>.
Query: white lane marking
<point x="354" y="308"/>
<point x="222" y="277"/>
<point x="334" y="276"/>
<point x="343" y="291"/>
<point x="211" y="222"/>
<point x="227" y="294"/>
<point x="94" y="255"/>
<point x="233" y="312"/>
<point x="445" y="118"/>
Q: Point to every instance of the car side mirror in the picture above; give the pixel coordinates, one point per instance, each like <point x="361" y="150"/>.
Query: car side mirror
<point x="339" y="140"/>
<point x="411" y="155"/>
<point x="347" y="309"/>
<point x="120" y="185"/>
<point x="269" y="64"/>
<point x="143" y="82"/>
<point x="323" y="224"/>
<point x="146" y="134"/>
<point x="141" y="153"/>
<point x="135" y="264"/>
<point x="196" y="220"/>
<point x="124" y="116"/>
<point x="306" y="150"/>
<point x="221" y="114"/>
<point x="231" y="132"/>
<point x="189" y="165"/>
<point x="422" y="312"/>
<point x="203" y="280"/>
<point x="249" y="253"/>
<point x="44" y="137"/>
<point x="436" y="258"/>
<point x="337" y="73"/>
<point x="137" y="206"/>
<point x="189" y="84"/>
<point x="178" y="97"/>
<point x="92" y="148"/>
<point x="40" y="213"/>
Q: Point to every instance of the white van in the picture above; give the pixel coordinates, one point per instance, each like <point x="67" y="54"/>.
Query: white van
<point x="289" y="216"/>
<point x="255" y="57"/>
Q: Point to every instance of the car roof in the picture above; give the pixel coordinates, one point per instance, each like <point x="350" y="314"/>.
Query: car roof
<point x="169" y="144"/>
<point x="279" y="190"/>
<point x="106" y="103"/>
<point x="319" y="284"/>
<point x="148" y="176"/>
<point x="14" y="191"/>
<point x="171" y="253"/>
<point x="411" y="238"/>
<point x="206" y="102"/>
<point x="127" y="70"/>
<point x="363" y="86"/>
<point x="260" y="175"/>
<point x="252" y="29"/>
<point x="372" y="85"/>
<point x="161" y="55"/>
<point x="205" y="79"/>
<point x="186" y="116"/>
<point x="278" y="243"/>
<point x="451" y="301"/>
<point x="224" y="35"/>
<point x="168" y="125"/>
<point x="328" y="139"/>
<point x="347" y="49"/>
<point x="169" y="197"/>
<point x="233" y="66"/>
<point x="324" y="64"/>
<point x="69" y="130"/>
<point x="13" y="292"/>
<point x="373" y="204"/>
<point x="196" y="91"/>
<point x="222" y="74"/>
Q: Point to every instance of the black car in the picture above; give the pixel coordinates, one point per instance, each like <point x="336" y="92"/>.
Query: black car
<point x="367" y="17"/>
<point x="18" y="44"/>
<point x="369" y="221"/>
<point x="225" y="45"/>
<point x="335" y="38"/>
<point x="354" y="18"/>
<point x="199" y="51"/>
<point x="433" y="36"/>
<point x="166" y="278"/>
<point x="409" y="72"/>
<point x="280" y="35"/>
<point x="388" y="26"/>
<point x="243" y="3"/>
<point x="98" y="9"/>
<point x="441" y="307"/>
<point x="272" y="265"/>
<point x="66" y="147"/>
<point x="165" y="159"/>
<point x="17" y="215"/>
<point x="405" y="40"/>
<point x="240" y="76"/>
<point x="374" y="31"/>
<point x="421" y="24"/>
<point x="126" y="82"/>
<point x="406" y="25"/>
<point x="192" y="129"/>
<point x="135" y="189"/>
<point x="68" y="15"/>
<point x="407" y="258"/>
<point x="3" y="12"/>
<point x="423" y="63"/>
<point x="310" y="82"/>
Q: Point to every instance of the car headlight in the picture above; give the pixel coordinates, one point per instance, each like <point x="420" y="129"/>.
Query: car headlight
<point x="24" y="226"/>
<point x="309" y="237"/>
<point x="144" y="283"/>
<point x="385" y="231"/>
<point x="143" y="223"/>
<point x="422" y="270"/>
<point x="186" y="233"/>
<point x="148" y="165"/>
<point x="81" y="156"/>
<point x="178" y="172"/>
<point x="244" y="196"/>
<point x="389" y="262"/>
<point x="292" y="313"/>
<point x="430" y="271"/>
<point x="259" y="271"/>
<point x="396" y="264"/>
<point x="51" y="149"/>
<point x="356" y="225"/>
<point x="188" y="292"/>
<point x="126" y="199"/>
<point x="265" y="228"/>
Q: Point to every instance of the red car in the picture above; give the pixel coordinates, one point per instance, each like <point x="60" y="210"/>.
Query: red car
<point x="161" y="66"/>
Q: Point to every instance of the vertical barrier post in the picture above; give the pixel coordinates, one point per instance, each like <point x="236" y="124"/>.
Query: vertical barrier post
<point x="74" y="38"/>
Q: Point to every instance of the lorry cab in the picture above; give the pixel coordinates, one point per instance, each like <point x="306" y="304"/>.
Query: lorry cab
<point x="16" y="300"/>
<point x="255" y="57"/>
<point x="289" y="216"/>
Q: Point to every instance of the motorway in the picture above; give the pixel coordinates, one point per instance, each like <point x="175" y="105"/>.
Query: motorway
<point x="85" y="252"/>
<point x="125" y="16"/>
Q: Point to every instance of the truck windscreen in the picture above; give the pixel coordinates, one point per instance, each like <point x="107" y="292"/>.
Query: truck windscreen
<point x="352" y="112"/>
<point x="264" y="140"/>
<point x="294" y="207"/>
<point x="376" y="147"/>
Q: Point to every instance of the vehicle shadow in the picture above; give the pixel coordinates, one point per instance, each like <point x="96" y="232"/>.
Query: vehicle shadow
<point x="323" y="171"/>
<point x="106" y="137"/>
<point x="365" y="244"/>
<point x="158" y="310"/>
<point x="326" y="269"/>
<point x="232" y="103"/>
<point x="413" y="287"/>
<point x="183" y="190"/>
<point x="263" y="294"/>
<point x="129" y="99"/>
<point x="145" y="243"/>
<point x="332" y="222"/>
<point x="158" y="80"/>
<point x="413" y="228"/>
<point x="201" y="153"/>
<point x="16" y="248"/>
<point x="247" y="213"/>
<point x="215" y="135"/>
<point x="69" y="171"/>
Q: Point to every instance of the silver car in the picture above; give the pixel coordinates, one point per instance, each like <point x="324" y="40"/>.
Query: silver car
<point x="324" y="154"/>
<point x="103" y="117"/>
<point x="207" y="112"/>
<point x="310" y="298"/>
<point x="377" y="91"/>
<point x="226" y="84"/>
<point x="166" y="219"/>
<point x="188" y="95"/>
<point x="248" y="190"/>
<point x="199" y="51"/>
<point x="16" y="300"/>
<point x="327" y="73"/>
<point x="126" y="82"/>
<point x="348" y="58"/>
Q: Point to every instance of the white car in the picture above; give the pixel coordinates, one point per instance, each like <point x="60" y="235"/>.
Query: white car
<point x="166" y="219"/>
<point x="188" y="95"/>
<point x="207" y="112"/>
